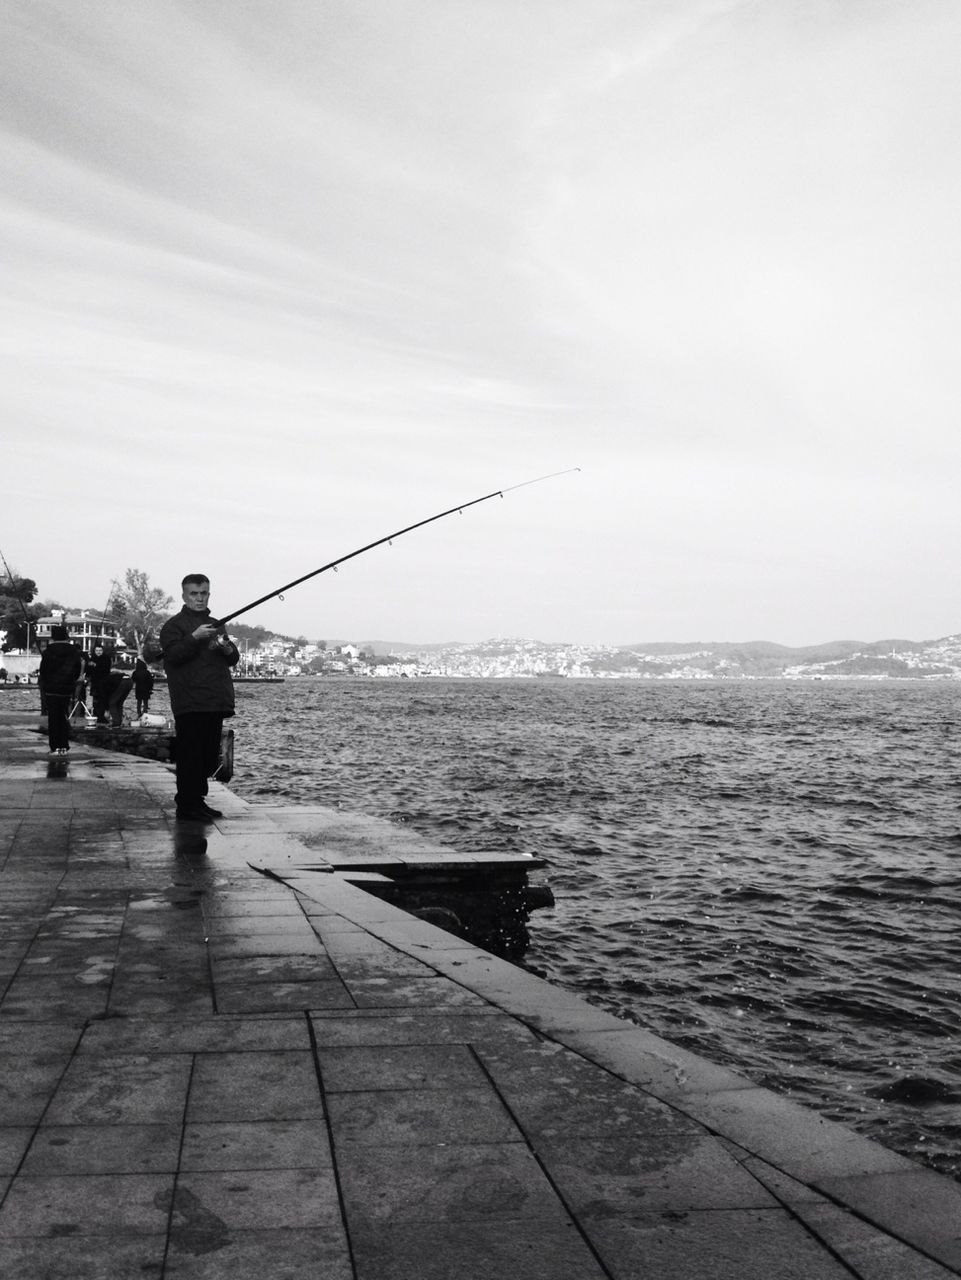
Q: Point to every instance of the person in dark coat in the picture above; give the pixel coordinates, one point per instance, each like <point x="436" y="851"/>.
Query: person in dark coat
<point x="142" y="685"/>
<point x="98" y="670"/>
<point x="197" y="657"/>
<point x="60" y="667"/>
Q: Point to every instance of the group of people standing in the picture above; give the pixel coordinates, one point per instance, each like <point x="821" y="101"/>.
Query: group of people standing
<point x="198" y="657"/>
<point x="65" y="672"/>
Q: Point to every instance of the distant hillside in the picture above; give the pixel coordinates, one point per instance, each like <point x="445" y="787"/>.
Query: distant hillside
<point x="660" y="659"/>
<point x="825" y="652"/>
<point x="753" y="659"/>
<point x="401" y="647"/>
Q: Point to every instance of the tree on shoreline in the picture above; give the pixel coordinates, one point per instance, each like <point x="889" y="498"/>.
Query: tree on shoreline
<point x="16" y="593"/>
<point x="138" y="609"/>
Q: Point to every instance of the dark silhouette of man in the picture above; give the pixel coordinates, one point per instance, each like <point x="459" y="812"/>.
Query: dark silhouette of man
<point x="197" y="658"/>
<point x="60" y="666"/>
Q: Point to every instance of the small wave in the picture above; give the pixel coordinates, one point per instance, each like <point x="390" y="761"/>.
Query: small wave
<point x="918" y="1091"/>
<point x="905" y="884"/>
<point x="853" y="891"/>
<point x="749" y="893"/>
<point x="876" y="1009"/>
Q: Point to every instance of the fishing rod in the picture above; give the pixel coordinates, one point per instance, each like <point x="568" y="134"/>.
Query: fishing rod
<point x="461" y="508"/>
<point x="114" y="588"/>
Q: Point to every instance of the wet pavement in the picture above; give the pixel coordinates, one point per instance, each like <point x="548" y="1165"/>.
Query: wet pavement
<point x="219" y="1057"/>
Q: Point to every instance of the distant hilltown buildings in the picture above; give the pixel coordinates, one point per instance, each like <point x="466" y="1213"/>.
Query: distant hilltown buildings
<point x="521" y="658"/>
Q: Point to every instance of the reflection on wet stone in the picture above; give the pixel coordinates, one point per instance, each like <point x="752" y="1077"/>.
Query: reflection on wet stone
<point x="190" y="845"/>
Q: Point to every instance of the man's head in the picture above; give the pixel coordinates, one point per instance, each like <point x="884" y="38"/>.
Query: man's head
<point x="196" y="592"/>
<point x="59" y="633"/>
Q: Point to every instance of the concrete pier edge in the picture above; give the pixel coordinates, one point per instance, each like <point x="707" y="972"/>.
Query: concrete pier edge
<point x="92" y="858"/>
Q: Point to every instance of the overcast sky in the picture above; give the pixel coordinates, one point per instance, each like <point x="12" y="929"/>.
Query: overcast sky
<point x="283" y="276"/>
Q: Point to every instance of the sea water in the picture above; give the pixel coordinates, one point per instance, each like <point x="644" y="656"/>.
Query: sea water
<point x="768" y="873"/>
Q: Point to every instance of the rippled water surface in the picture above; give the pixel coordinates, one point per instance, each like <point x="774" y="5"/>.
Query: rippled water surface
<point x="766" y="872"/>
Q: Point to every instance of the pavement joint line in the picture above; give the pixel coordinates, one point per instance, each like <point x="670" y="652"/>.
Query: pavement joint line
<point x="169" y="1234"/>
<point x="331" y="1138"/>
<point x="544" y="1167"/>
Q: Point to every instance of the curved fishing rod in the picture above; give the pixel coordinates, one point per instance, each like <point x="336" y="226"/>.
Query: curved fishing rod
<point x="498" y="493"/>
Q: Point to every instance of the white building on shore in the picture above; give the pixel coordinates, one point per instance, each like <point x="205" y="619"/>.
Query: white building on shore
<point x="85" y="629"/>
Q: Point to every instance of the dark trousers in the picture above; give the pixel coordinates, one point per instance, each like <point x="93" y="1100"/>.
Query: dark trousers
<point x="58" y="724"/>
<point x="99" y="695"/>
<point x="197" y="754"/>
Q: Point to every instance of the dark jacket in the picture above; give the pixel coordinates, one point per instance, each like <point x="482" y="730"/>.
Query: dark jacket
<point x="198" y="676"/>
<point x="114" y="683"/>
<point x="97" y="670"/>
<point x="60" y="667"/>
<point x="142" y="680"/>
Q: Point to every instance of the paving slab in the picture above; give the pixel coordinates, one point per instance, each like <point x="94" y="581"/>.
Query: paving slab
<point x="278" y="1253"/>
<point x="522" y="1249"/>
<point x="738" y="1244"/>
<point x="221" y="1058"/>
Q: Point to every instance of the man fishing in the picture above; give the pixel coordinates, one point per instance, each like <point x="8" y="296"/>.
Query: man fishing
<point x="197" y="657"/>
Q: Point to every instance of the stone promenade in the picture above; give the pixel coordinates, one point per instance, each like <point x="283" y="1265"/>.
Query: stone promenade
<point x="219" y="1058"/>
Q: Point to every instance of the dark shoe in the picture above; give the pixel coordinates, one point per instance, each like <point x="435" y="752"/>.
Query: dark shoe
<point x="211" y="813"/>
<point x="194" y="814"/>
